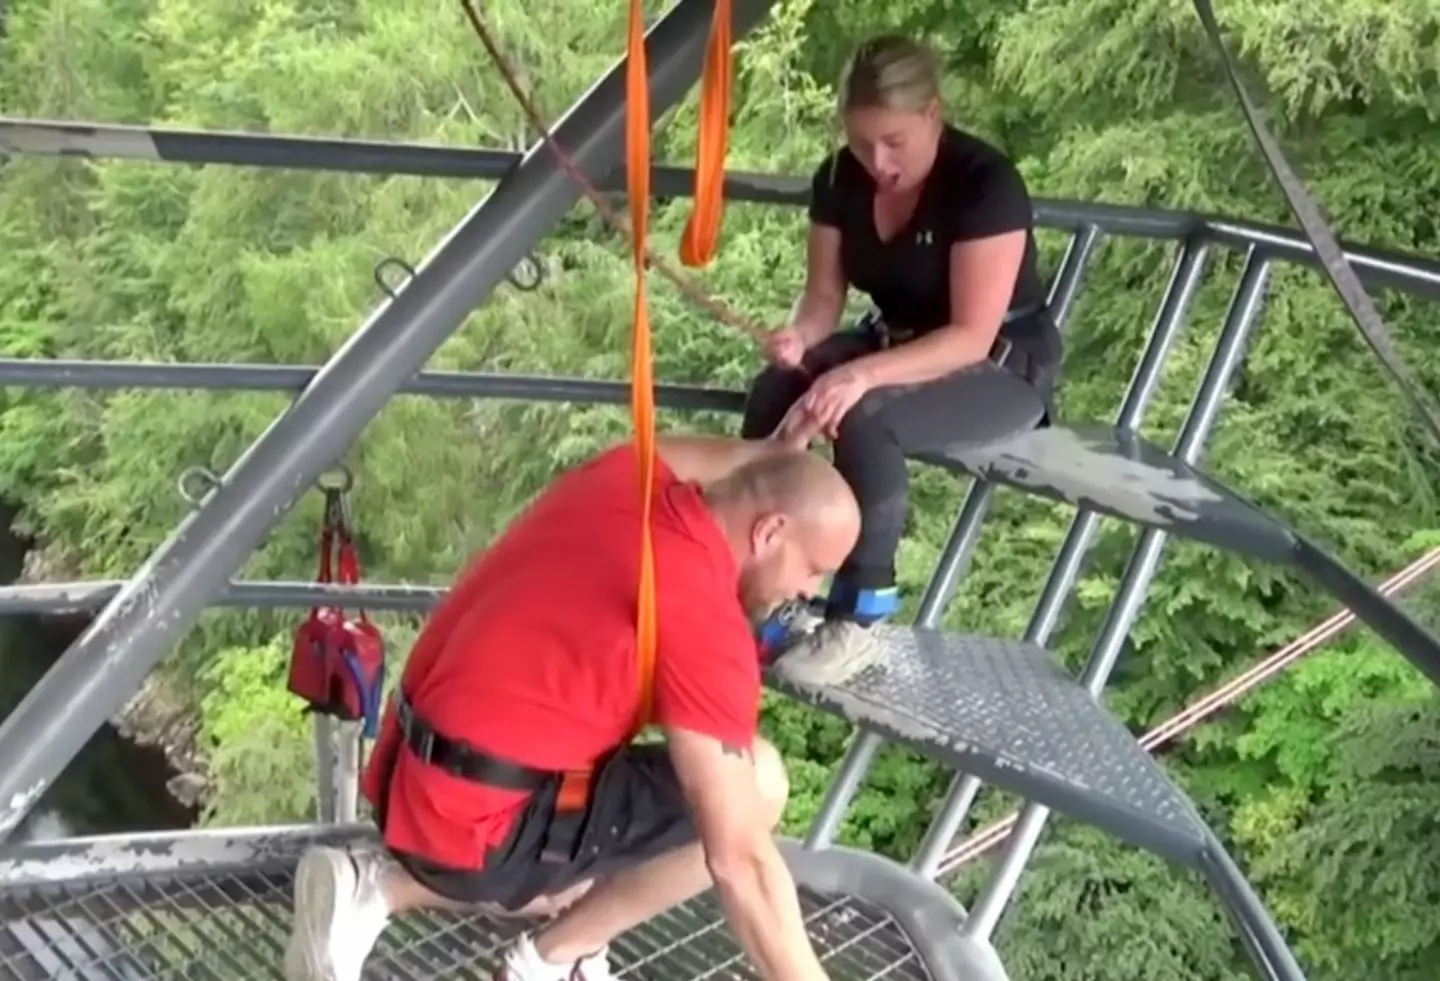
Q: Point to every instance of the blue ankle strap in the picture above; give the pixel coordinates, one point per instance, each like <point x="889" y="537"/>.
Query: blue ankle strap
<point x="863" y="605"/>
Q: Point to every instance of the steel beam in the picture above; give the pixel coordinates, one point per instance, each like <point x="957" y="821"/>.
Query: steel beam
<point x="107" y="664"/>
<point x="70" y="598"/>
<point x="43" y="137"/>
<point x="105" y="375"/>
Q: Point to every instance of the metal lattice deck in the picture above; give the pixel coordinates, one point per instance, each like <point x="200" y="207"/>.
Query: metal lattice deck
<point x="191" y="917"/>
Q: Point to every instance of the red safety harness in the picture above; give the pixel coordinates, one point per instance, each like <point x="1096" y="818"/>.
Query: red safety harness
<point x="337" y="663"/>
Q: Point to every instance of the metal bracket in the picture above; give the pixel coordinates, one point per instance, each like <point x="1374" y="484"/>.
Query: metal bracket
<point x="197" y="483"/>
<point x="386" y="263"/>
<point x="529" y="275"/>
<point x="336" y="484"/>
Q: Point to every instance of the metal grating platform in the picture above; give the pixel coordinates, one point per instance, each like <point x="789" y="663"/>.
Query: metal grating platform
<point x="1005" y="712"/>
<point x="232" y="926"/>
<point x="170" y="907"/>
<point x="1120" y="474"/>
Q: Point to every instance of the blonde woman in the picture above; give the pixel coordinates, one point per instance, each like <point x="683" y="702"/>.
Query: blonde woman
<point x="936" y="227"/>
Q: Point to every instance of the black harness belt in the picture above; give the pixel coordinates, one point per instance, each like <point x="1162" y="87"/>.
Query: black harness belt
<point x="889" y="334"/>
<point x="462" y="760"/>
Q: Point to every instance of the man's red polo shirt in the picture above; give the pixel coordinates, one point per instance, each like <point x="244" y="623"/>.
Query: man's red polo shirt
<point x="531" y="656"/>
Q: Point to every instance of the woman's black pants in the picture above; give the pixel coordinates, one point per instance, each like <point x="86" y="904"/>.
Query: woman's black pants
<point x="983" y="403"/>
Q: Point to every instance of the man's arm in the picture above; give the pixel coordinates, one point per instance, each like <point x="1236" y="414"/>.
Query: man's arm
<point x="706" y="459"/>
<point x="754" y="885"/>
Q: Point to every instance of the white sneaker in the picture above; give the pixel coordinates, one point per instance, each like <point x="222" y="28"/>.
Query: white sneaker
<point x="523" y="963"/>
<point x="833" y="653"/>
<point x="340" y="911"/>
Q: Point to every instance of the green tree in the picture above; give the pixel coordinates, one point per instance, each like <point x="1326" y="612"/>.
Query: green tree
<point x="1118" y="102"/>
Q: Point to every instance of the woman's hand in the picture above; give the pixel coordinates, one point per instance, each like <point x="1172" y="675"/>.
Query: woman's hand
<point x="832" y="396"/>
<point x="785" y="347"/>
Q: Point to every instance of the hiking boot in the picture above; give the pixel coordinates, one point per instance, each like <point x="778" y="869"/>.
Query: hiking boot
<point x="833" y="653"/>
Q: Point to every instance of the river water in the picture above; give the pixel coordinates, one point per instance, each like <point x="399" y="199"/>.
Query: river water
<point x="114" y="785"/>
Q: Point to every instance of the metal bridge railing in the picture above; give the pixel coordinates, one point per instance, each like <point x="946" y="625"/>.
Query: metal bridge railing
<point x="143" y="617"/>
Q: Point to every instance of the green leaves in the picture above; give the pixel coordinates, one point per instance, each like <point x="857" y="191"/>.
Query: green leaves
<point x="1321" y="778"/>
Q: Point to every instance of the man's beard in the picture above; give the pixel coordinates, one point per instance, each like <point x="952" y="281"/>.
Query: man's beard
<point x="757" y="610"/>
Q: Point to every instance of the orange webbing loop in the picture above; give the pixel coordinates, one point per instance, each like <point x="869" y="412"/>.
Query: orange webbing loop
<point x="752" y="329"/>
<point x="698" y="247"/>
<point x="642" y="382"/>
<point x="702" y="231"/>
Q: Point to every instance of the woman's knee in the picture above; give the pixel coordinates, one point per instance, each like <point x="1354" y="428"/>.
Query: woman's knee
<point x="771" y="395"/>
<point x="771" y="777"/>
<point x="869" y="455"/>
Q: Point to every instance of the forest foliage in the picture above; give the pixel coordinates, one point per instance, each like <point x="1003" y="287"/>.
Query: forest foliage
<point x="1323" y="783"/>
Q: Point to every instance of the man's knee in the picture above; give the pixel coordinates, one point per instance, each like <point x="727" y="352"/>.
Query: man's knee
<point x="553" y="904"/>
<point x="773" y="781"/>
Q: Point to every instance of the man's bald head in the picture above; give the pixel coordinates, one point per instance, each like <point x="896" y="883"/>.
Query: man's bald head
<point x="791" y="520"/>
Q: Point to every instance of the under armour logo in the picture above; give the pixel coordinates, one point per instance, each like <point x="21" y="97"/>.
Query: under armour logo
<point x="925" y="237"/>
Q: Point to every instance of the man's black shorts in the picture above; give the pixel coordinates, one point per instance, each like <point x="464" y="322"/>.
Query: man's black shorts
<point x="636" y="812"/>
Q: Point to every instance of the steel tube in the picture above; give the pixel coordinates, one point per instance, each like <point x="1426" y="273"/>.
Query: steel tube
<point x="106" y="665"/>
<point x="1185" y="280"/>
<point x="1145" y="560"/>
<point x="1377" y="267"/>
<point x="67" y="598"/>
<point x="92" y="375"/>
<point x="959" y="547"/>
<point x="964" y="787"/>
<point x="938" y="591"/>
<point x="321" y="727"/>
<point x="1264" y="943"/>
<point x="43" y="137"/>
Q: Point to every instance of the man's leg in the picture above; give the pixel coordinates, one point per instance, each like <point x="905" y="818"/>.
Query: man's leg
<point x="648" y="861"/>
<point x="345" y="897"/>
<point x="640" y="880"/>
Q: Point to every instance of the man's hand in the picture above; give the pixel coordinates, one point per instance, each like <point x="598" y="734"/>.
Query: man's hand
<point x="750" y="876"/>
<point x="796" y="430"/>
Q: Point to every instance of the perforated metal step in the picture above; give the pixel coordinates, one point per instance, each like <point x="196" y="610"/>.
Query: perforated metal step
<point x="1007" y="713"/>
<point x="216" y="906"/>
<point x="1120" y="474"/>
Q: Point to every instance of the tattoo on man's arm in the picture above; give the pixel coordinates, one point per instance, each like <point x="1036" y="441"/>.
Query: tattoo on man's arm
<point x="742" y="752"/>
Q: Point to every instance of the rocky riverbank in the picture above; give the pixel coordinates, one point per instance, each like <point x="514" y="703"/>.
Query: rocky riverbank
<point x="157" y="718"/>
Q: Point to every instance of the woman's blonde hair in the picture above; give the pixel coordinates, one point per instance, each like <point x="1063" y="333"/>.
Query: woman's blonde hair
<point x="891" y="72"/>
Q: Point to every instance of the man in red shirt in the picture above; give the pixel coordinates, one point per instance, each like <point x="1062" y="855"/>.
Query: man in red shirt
<point x="528" y="671"/>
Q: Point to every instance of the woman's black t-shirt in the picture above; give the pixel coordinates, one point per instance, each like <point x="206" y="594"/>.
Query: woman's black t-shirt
<point x="973" y="191"/>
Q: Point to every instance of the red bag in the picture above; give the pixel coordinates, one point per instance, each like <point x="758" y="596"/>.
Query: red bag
<point x="337" y="664"/>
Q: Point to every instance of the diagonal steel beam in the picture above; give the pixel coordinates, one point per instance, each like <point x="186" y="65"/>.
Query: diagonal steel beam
<point x="92" y="679"/>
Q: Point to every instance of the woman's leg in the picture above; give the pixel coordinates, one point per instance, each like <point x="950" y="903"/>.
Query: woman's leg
<point x="776" y="389"/>
<point x="980" y="405"/>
